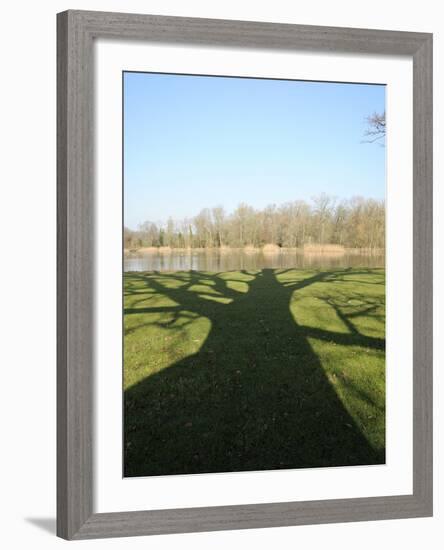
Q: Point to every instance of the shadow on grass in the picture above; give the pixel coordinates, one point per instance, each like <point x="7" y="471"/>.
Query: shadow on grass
<point x="254" y="396"/>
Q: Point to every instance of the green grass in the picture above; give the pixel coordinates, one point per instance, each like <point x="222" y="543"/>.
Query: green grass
<point x="253" y="370"/>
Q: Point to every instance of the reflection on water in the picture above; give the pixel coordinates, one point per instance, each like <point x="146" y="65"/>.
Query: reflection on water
<point x="216" y="260"/>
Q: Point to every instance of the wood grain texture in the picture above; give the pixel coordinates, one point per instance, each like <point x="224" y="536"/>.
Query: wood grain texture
<point x="253" y="516"/>
<point x="75" y="271"/>
<point x="423" y="273"/>
<point x="226" y="33"/>
<point x="75" y="276"/>
<point x="62" y="293"/>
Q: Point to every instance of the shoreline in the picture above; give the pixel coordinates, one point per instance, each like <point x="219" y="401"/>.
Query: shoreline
<point x="313" y="250"/>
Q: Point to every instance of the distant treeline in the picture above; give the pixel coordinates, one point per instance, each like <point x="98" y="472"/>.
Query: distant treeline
<point x="354" y="223"/>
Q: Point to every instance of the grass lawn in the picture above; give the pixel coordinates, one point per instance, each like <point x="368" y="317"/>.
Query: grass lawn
<point x="253" y="370"/>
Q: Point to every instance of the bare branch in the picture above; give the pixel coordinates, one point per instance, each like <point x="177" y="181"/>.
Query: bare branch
<point x="376" y="128"/>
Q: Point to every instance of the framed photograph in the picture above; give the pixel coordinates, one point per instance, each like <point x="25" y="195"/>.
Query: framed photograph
<point x="244" y="274"/>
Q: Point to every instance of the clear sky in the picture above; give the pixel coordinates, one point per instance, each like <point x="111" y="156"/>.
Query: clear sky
<point x="192" y="142"/>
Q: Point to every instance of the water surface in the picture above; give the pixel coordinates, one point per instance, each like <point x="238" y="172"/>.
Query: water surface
<point x="232" y="260"/>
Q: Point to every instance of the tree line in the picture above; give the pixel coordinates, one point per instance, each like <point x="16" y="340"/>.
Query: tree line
<point x="354" y="223"/>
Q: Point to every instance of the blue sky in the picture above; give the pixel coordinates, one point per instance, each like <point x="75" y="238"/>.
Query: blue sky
<point x="192" y="142"/>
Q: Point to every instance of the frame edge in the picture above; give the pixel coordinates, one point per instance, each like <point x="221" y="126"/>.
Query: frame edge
<point x="423" y="274"/>
<point x="62" y="428"/>
<point x="75" y="254"/>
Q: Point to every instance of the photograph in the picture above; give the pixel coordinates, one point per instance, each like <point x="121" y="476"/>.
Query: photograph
<point x="253" y="260"/>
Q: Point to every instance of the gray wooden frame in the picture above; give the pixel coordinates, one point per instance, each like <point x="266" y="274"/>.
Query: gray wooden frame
<point x="76" y="32"/>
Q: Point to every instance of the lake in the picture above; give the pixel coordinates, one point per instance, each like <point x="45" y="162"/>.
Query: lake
<point x="235" y="259"/>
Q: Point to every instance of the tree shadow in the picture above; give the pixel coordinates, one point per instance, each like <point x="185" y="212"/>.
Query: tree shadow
<point x="253" y="397"/>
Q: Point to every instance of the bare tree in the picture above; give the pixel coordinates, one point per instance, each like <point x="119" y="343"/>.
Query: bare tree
<point x="219" y="223"/>
<point x="355" y="223"/>
<point x="323" y="207"/>
<point x="376" y="128"/>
